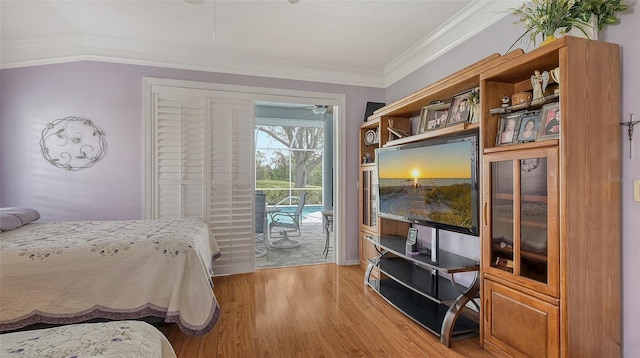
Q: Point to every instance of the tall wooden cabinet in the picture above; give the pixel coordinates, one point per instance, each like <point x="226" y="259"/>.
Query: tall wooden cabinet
<point x="550" y="211"/>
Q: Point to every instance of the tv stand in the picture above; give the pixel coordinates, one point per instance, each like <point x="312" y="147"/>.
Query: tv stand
<point x="414" y="286"/>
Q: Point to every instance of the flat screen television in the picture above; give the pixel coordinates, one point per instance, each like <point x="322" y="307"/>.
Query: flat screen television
<point x="432" y="183"/>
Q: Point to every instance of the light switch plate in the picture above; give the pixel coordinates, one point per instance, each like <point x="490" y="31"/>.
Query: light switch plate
<point x="636" y="190"/>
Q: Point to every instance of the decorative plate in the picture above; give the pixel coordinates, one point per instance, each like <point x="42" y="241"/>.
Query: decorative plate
<point x="370" y="137"/>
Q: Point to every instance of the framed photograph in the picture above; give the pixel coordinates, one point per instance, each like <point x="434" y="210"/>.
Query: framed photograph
<point x="412" y="242"/>
<point x="433" y="117"/>
<point x="460" y="108"/>
<point x="550" y="127"/>
<point x="412" y="236"/>
<point x="529" y="127"/>
<point x="508" y="125"/>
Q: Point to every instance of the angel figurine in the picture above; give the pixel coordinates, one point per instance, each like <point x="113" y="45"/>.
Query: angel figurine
<point x="539" y="83"/>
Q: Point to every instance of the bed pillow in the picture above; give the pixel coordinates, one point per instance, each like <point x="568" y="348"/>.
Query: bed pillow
<point x="13" y="218"/>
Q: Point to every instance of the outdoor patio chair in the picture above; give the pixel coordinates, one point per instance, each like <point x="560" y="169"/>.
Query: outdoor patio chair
<point x="284" y="223"/>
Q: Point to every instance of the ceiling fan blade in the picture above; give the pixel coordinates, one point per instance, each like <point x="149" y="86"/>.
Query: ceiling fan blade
<point x="321" y="109"/>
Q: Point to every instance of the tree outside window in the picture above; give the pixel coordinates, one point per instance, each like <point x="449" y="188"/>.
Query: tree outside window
<point x="289" y="160"/>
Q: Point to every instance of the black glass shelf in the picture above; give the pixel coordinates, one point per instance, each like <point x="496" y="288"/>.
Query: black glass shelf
<point x="433" y="286"/>
<point x="447" y="262"/>
<point x="422" y="310"/>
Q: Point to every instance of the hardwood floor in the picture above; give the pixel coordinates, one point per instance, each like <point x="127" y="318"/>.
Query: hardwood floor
<point x="311" y="311"/>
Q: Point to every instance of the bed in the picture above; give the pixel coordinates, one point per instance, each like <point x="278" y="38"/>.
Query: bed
<point x="70" y="272"/>
<point x="108" y="339"/>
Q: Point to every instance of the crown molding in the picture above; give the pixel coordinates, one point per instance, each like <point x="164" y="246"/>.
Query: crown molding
<point x="59" y="49"/>
<point x="471" y="20"/>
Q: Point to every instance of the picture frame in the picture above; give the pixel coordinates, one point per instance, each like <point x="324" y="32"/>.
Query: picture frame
<point x="508" y="126"/>
<point x="433" y="117"/>
<point x="550" y="121"/>
<point x="412" y="242"/>
<point x="460" y="109"/>
<point x="529" y="127"/>
<point x="412" y="236"/>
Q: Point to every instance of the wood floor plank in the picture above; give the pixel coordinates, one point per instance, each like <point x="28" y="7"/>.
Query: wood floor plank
<point x="311" y="311"/>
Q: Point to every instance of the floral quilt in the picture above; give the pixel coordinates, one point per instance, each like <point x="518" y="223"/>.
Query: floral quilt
<point x="69" y="272"/>
<point x="110" y="339"/>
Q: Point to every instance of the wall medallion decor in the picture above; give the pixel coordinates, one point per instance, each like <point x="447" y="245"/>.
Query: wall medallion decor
<point x="72" y="143"/>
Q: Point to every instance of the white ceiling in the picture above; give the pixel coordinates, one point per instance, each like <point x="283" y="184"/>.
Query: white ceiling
<point x="366" y="42"/>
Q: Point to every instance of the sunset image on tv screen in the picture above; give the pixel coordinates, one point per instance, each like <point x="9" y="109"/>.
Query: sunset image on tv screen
<point x="431" y="183"/>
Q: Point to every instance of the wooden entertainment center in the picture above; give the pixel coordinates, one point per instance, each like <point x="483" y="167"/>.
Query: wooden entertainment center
<point x="549" y="243"/>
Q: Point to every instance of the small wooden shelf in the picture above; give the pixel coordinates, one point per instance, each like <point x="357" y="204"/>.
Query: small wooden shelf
<point x="522" y="222"/>
<point x="458" y="128"/>
<point x="523" y="253"/>
<point x="529" y="145"/>
<point x="527" y="106"/>
<point x="531" y="198"/>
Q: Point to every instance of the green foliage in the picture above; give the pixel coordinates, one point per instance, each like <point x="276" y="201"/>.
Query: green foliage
<point x="298" y="160"/>
<point x="303" y="150"/>
<point x="314" y="193"/>
<point x="315" y="177"/>
<point x="605" y="11"/>
<point x="546" y="16"/>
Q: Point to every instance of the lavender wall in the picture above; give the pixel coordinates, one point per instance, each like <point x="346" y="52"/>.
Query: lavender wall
<point x="111" y="96"/>
<point x="498" y="38"/>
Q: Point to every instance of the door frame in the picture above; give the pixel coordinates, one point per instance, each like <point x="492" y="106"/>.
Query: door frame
<point x="337" y="100"/>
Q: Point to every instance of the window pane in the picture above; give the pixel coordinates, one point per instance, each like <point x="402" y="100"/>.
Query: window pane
<point x="289" y="159"/>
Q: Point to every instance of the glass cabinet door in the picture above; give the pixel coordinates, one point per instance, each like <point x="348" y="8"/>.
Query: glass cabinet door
<point x="368" y="201"/>
<point x="522" y="221"/>
<point x="502" y="204"/>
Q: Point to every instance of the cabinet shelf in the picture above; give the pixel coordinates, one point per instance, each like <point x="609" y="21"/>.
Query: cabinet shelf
<point x="524" y="106"/>
<point x="519" y="146"/>
<point x="531" y="198"/>
<point x="523" y="222"/>
<point x="458" y="128"/>
<point x="523" y="253"/>
<point x="422" y="310"/>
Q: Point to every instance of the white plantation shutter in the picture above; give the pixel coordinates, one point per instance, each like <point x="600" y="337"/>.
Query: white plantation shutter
<point x="201" y="165"/>
<point x="232" y="184"/>
<point x="180" y="150"/>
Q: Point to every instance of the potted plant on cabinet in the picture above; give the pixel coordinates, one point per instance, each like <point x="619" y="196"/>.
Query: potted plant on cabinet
<point x="548" y="17"/>
<point x="598" y="14"/>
